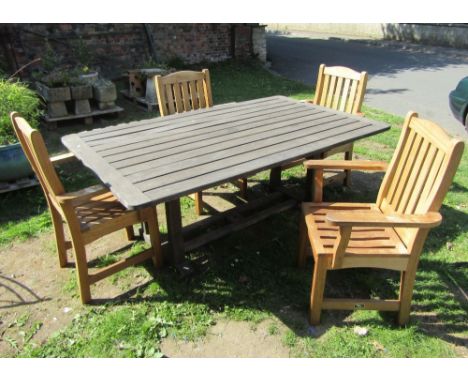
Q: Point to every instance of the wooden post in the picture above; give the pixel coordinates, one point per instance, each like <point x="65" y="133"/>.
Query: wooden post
<point x="174" y="230"/>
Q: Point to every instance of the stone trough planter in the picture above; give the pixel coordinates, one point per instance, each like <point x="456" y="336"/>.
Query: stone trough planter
<point x="81" y="95"/>
<point x="55" y="98"/>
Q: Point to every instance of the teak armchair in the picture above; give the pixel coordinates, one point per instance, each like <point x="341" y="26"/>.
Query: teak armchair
<point x="184" y="91"/>
<point x="90" y="213"/>
<point x="388" y="234"/>
<point x="339" y="88"/>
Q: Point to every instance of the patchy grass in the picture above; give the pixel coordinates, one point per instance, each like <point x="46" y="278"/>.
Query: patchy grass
<point x="251" y="275"/>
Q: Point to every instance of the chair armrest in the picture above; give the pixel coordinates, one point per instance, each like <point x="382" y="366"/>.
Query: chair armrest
<point x="82" y="196"/>
<point x="378" y="219"/>
<point x="307" y="101"/>
<point x="63" y="158"/>
<point x="331" y="164"/>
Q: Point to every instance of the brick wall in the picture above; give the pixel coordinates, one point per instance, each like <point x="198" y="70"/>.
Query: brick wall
<point x="116" y="47"/>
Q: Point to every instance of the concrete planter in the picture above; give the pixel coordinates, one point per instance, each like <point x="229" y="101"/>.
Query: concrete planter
<point x="105" y="93"/>
<point x="81" y="95"/>
<point x="13" y="163"/>
<point x="55" y="98"/>
<point x="59" y="94"/>
<point x="81" y="92"/>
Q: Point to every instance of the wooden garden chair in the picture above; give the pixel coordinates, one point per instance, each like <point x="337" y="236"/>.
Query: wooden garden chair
<point x="184" y="91"/>
<point x="341" y="89"/>
<point x="90" y="213"/>
<point x="388" y="234"/>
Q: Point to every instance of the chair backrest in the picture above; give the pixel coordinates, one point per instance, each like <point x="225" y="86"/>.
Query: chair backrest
<point x="35" y="150"/>
<point x="340" y="88"/>
<point x="183" y="91"/>
<point x="421" y="171"/>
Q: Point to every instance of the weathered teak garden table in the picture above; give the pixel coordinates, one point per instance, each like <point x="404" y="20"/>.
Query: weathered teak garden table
<point x="161" y="159"/>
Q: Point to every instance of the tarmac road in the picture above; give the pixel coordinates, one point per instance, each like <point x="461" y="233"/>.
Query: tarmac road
<point x="402" y="76"/>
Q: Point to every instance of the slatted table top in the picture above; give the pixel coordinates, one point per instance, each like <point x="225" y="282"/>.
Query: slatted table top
<point x="157" y="160"/>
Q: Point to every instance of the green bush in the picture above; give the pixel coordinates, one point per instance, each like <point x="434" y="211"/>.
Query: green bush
<point x="16" y="96"/>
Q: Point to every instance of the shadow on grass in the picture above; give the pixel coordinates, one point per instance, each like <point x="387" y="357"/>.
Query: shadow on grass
<point x="252" y="273"/>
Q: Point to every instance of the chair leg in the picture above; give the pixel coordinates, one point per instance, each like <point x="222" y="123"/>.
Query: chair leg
<point x="155" y="239"/>
<point x="318" y="287"/>
<point x="130" y="233"/>
<point x="303" y="241"/>
<point x="199" y="203"/>
<point x="243" y="187"/>
<point x="406" y="295"/>
<point x="82" y="270"/>
<point x="59" y="237"/>
<point x="348" y="156"/>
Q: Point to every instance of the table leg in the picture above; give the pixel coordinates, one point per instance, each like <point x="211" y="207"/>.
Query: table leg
<point x="309" y="185"/>
<point x="174" y="230"/>
<point x="275" y="178"/>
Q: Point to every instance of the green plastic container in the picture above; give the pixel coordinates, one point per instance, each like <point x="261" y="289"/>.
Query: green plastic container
<point x="13" y="163"/>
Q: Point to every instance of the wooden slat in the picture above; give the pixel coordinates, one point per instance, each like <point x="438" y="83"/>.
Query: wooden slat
<point x="390" y="194"/>
<point x="331" y="92"/>
<point x="422" y="180"/>
<point x="237" y="145"/>
<point x="324" y="94"/>
<point x="186" y="96"/>
<point x="201" y="94"/>
<point x="169" y="98"/>
<point x="337" y="93"/>
<point x="243" y="169"/>
<point x="410" y="190"/>
<point x="169" y="119"/>
<point x="239" y="154"/>
<point x="119" y="265"/>
<point x="194" y="94"/>
<point x="344" y="95"/>
<point x="366" y="304"/>
<point x="431" y="177"/>
<point x="352" y="97"/>
<point x="110" y="136"/>
<point x="216" y="132"/>
<point x="178" y="98"/>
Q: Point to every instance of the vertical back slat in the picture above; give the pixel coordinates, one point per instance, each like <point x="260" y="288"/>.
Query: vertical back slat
<point x="193" y="94"/>
<point x="431" y="178"/>
<point x="400" y="166"/>
<point x="337" y="93"/>
<point x="415" y="173"/>
<point x="185" y="96"/>
<point x="351" y="97"/>
<point x="169" y="98"/>
<point x="330" y="91"/>
<point x="427" y="164"/>
<point x="326" y="84"/>
<point x="344" y="95"/>
<point x="178" y="97"/>
<point x="201" y="95"/>
<point x="404" y="175"/>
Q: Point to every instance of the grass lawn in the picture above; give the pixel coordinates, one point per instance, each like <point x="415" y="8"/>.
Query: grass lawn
<point x="251" y="275"/>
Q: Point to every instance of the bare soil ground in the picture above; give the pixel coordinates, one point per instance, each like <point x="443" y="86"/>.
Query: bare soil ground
<point x="233" y="339"/>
